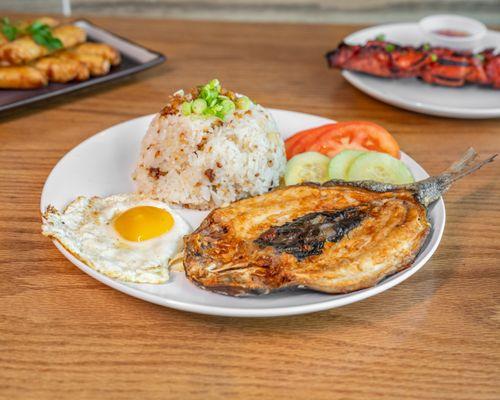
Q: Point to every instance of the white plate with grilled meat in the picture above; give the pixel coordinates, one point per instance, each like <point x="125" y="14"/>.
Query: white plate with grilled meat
<point x="414" y="95"/>
<point x="103" y="164"/>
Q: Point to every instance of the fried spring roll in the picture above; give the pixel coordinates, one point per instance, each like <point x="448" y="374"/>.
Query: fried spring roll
<point x="100" y="49"/>
<point x="23" y="25"/>
<point x="62" y="70"/>
<point x="43" y="20"/>
<point x="23" y="77"/>
<point x="70" y="35"/>
<point x="52" y="22"/>
<point x="25" y="49"/>
<point x="96" y="64"/>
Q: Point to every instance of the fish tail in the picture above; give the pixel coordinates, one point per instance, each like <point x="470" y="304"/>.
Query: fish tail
<point x="430" y="189"/>
<point x="466" y="164"/>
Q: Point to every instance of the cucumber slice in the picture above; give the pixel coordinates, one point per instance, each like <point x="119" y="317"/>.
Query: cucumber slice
<point x="337" y="169"/>
<point x="307" y="167"/>
<point x="379" y="167"/>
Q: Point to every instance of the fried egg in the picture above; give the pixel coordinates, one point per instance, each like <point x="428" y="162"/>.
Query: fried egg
<point x="127" y="236"/>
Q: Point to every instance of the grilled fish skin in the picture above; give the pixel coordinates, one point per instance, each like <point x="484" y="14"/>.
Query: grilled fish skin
<point x="335" y="238"/>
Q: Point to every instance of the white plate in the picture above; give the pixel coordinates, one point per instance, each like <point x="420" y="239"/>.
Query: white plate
<point x="102" y="165"/>
<point x="414" y="95"/>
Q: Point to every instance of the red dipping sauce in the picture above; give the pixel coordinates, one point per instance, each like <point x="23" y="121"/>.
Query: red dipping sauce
<point x="452" y="33"/>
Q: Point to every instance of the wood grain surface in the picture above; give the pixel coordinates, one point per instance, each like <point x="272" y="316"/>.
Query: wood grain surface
<point x="66" y="336"/>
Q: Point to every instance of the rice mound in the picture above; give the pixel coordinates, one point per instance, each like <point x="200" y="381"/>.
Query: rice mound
<point x="202" y="162"/>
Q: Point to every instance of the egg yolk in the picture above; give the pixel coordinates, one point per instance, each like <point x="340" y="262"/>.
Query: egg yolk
<point x="143" y="223"/>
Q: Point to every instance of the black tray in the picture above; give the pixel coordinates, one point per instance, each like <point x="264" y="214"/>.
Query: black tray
<point x="135" y="58"/>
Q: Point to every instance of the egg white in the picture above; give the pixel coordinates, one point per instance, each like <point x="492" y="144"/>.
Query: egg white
<point x="85" y="229"/>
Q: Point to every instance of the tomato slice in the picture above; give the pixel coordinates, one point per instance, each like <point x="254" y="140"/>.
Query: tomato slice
<point x="299" y="142"/>
<point x="304" y="141"/>
<point x="331" y="139"/>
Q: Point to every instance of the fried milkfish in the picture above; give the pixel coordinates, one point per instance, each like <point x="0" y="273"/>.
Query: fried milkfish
<point x="335" y="238"/>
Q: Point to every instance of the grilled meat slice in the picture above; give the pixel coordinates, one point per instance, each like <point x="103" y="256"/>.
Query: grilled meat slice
<point x="447" y="69"/>
<point x="439" y="66"/>
<point x="336" y="238"/>
<point x="367" y="59"/>
<point x="492" y="68"/>
<point x="383" y="59"/>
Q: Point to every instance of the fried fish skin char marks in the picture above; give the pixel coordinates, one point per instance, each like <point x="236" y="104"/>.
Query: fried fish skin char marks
<point x="233" y="251"/>
<point x="337" y="237"/>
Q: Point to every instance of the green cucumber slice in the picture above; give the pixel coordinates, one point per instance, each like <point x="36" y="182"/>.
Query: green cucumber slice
<point x="337" y="169"/>
<point x="307" y="167"/>
<point x="379" y="167"/>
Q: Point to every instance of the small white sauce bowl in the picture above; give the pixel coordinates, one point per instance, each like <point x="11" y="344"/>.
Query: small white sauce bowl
<point x="476" y="31"/>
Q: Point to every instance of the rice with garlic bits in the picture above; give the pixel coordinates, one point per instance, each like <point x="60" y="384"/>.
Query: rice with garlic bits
<point x="203" y="151"/>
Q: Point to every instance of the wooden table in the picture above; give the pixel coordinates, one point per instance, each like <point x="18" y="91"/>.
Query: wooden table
<point x="65" y="335"/>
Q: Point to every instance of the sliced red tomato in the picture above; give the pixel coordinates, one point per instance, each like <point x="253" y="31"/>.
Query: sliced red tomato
<point x="304" y="141"/>
<point x="301" y="140"/>
<point x="331" y="139"/>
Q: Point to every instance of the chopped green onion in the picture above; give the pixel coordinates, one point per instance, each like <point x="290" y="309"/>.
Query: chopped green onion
<point x="186" y="108"/>
<point x="214" y="83"/>
<point x="390" y="47"/>
<point x="380" y="37"/>
<point x="228" y="107"/>
<point x="208" y="112"/>
<point x="210" y="91"/>
<point x="210" y="102"/>
<point x="243" y="103"/>
<point x="217" y="107"/>
<point x="479" y="56"/>
<point x="218" y="111"/>
<point x="426" y="46"/>
<point x="199" y="105"/>
<point x="206" y="93"/>
<point x="434" y="57"/>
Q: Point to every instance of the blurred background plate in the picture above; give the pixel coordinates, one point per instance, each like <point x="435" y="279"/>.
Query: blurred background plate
<point x="414" y="95"/>
<point x="135" y="58"/>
